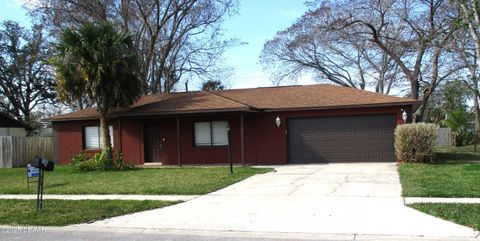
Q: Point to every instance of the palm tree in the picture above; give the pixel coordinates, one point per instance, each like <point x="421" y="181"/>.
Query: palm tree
<point x="98" y="61"/>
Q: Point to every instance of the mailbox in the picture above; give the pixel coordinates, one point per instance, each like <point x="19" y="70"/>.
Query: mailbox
<point x="43" y="164"/>
<point x="47" y="165"/>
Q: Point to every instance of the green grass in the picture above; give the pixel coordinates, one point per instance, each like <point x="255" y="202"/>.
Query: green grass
<point x="63" y="212"/>
<point x="465" y="214"/>
<point x="185" y="180"/>
<point x="453" y="176"/>
<point x="440" y="180"/>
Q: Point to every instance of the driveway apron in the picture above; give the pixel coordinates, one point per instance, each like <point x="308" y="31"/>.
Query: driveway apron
<point x="353" y="198"/>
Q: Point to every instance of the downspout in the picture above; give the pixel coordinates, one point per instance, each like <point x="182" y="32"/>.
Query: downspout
<point x="242" y="138"/>
<point x="120" y="142"/>
<point x="179" y="156"/>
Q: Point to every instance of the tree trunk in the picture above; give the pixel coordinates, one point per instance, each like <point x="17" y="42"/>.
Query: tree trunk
<point x="105" y="136"/>
<point x="476" y="108"/>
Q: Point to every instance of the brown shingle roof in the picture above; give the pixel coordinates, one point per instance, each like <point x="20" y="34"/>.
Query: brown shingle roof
<point x="184" y="102"/>
<point x="310" y="97"/>
<point x="158" y="104"/>
<point x="321" y="96"/>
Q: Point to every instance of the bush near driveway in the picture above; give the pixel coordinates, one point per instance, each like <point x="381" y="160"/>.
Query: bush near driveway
<point x="415" y="142"/>
<point x="171" y="180"/>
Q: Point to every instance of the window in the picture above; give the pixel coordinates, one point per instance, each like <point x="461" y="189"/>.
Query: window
<point x="212" y="133"/>
<point x="92" y="138"/>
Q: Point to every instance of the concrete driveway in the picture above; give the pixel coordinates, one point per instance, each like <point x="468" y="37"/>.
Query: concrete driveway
<point x="359" y="199"/>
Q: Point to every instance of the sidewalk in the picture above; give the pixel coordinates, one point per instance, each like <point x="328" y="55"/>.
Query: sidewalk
<point x="411" y="200"/>
<point x="104" y="197"/>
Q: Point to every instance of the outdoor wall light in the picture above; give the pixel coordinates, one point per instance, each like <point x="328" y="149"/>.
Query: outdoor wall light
<point x="278" y="122"/>
<point x="404" y="116"/>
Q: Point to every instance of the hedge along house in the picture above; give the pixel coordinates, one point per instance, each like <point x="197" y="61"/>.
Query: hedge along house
<point x="274" y="125"/>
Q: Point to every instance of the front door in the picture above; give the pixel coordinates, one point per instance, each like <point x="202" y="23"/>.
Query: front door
<point x="153" y="143"/>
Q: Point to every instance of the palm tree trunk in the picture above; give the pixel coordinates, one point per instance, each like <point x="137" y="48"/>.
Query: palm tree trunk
<point x="105" y="135"/>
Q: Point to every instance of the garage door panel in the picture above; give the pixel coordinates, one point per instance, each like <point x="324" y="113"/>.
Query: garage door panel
<point x="361" y="156"/>
<point x="341" y="139"/>
<point x="375" y="144"/>
<point x="348" y="156"/>
<point x="347" y="144"/>
<point x="375" y="156"/>
<point x="361" y="143"/>
<point x="389" y="156"/>
<point x="388" y="143"/>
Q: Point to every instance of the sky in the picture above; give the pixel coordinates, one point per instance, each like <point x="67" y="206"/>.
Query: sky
<point x="256" y="22"/>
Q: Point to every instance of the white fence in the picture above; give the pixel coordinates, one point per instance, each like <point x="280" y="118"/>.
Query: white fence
<point x="18" y="151"/>
<point x="444" y="137"/>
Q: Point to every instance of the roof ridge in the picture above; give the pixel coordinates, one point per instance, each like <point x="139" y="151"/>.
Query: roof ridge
<point x="268" y="87"/>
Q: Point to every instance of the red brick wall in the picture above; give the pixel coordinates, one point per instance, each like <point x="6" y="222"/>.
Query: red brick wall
<point x="68" y="139"/>
<point x="192" y="154"/>
<point x="265" y="143"/>
<point x="132" y="140"/>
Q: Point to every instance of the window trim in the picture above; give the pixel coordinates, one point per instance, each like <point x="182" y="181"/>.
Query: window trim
<point x="194" y="144"/>
<point x="84" y="137"/>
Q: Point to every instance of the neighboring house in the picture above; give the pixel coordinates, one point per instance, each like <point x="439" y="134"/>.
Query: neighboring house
<point x="11" y="127"/>
<point x="274" y="125"/>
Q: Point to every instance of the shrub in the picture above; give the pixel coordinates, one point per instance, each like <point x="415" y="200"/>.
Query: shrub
<point x="415" y="142"/>
<point x="463" y="138"/>
<point x="83" y="162"/>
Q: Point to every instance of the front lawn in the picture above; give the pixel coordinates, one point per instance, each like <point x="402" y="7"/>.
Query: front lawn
<point x="456" y="174"/>
<point x="173" y="180"/>
<point x="63" y="212"/>
<point x="464" y="214"/>
<point x="450" y="179"/>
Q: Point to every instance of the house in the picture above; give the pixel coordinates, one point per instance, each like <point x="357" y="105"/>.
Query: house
<point x="272" y="125"/>
<point x="11" y="127"/>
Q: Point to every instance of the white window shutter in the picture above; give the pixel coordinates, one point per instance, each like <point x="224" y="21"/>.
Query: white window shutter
<point x="92" y="139"/>
<point x="202" y="134"/>
<point x="220" y="135"/>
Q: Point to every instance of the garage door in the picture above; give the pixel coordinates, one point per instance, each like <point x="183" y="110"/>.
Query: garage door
<point x="341" y="139"/>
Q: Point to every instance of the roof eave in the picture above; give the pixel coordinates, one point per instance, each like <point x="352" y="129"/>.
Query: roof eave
<point x="163" y="113"/>
<point x="414" y="104"/>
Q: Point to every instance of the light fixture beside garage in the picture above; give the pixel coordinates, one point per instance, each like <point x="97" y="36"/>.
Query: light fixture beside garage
<point x="278" y="122"/>
<point x="404" y="115"/>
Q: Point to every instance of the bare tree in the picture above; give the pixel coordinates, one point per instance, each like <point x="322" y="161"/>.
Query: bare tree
<point x="311" y="45"/>
<point x="308" y="47"/>
<point x="468" y="45"/>
<point x="26" y="82"/>
<point x="175" y="39"/>
<point x="414" y="33"/>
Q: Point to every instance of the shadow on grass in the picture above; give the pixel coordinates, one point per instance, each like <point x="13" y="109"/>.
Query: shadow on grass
<point x="459" y="156"/>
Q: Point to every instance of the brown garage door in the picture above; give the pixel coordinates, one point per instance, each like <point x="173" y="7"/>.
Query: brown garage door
<point x="366" y="138"/>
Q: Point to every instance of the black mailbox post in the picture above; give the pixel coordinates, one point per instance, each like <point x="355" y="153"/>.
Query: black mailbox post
<point x="43" y="165"/>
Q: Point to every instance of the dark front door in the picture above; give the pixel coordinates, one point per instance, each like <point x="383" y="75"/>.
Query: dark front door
<point x="366" y="138"/>
<point x="153" y="143"/>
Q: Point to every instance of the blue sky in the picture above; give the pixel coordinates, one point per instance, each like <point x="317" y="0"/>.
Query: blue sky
<point x="256" y="22"/>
